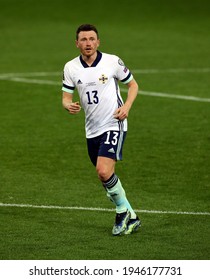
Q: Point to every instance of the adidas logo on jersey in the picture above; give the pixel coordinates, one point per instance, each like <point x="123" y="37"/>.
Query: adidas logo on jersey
<point x="111" y="150"/>
<point x="79" y="82"/>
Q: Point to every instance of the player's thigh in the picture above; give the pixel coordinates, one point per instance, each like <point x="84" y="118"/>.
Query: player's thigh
<point x="93" y="145"/>
<point x="105" y="167"/>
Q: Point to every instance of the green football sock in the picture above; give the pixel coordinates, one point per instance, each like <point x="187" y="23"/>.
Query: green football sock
<point x="117" y="195"/>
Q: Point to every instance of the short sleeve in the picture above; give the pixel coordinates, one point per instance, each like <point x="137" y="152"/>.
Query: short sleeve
<point x="123" y="73"/>
<point x="68" y="85"/>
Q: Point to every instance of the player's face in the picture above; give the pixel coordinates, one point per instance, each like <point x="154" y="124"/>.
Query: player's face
<point x="87" y="43"/>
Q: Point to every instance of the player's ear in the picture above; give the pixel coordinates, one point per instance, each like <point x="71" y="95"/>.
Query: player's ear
<point x="98" y="42"/>
<point x="76" y="42"/>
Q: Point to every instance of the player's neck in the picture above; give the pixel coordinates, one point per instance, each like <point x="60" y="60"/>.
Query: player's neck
<point x="89" y="59"/>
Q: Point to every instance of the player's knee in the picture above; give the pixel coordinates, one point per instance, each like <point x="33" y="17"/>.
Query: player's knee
<point x="103" y="173"/>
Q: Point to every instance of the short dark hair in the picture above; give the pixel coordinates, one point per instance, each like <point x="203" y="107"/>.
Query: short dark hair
<point x="86" y="27"/>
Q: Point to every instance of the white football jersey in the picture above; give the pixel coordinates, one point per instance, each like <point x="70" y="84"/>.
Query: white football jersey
<point x="98" y="90"/>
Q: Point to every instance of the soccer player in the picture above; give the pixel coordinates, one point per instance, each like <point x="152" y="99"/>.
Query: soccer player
<point x="95" y="75"/>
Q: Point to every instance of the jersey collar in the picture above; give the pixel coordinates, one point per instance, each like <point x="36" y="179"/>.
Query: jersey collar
<point x="95" y="62"/>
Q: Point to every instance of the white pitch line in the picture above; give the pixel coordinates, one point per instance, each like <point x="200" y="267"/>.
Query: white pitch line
<point x="135" y="71"/>
<point x="100" y="209"/>
<point x="34" y="81"/>
<point x="30" y="74"/>
<point x="20" y="77"/>
<point x="173" y="96"/>
<point x="175" y="70"/>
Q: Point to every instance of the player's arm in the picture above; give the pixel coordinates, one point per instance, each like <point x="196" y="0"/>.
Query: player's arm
<point x="122" y="112"/>
<point x="69" y="105"/>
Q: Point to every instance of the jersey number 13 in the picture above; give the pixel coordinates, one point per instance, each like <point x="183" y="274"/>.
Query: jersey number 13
<point x="92" y="97"/>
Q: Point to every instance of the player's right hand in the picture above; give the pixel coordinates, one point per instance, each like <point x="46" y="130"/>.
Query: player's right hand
<point x="74" y="108"/>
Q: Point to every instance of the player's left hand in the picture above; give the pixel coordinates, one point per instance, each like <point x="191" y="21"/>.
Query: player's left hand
<point x="121" y="113"/>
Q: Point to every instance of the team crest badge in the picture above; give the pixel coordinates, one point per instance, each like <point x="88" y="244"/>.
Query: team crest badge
<point x="103" y="79"/>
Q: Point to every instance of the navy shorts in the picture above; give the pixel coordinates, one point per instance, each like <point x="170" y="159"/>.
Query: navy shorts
<point x="109" y="144"/>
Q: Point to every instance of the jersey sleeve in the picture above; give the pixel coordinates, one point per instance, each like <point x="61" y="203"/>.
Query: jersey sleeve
<point x="123" y="73"/>
<point x="68" y="85"/>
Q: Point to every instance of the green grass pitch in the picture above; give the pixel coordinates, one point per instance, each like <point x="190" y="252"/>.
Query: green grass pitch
<point x="43" y="156"/>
